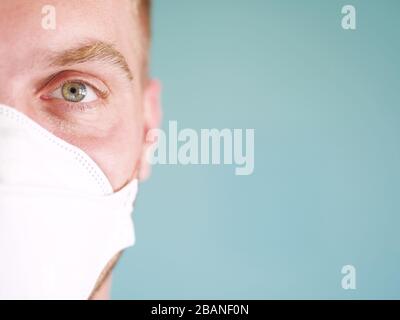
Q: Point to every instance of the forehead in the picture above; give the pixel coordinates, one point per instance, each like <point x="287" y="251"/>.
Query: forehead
<point x="23" y="36"/>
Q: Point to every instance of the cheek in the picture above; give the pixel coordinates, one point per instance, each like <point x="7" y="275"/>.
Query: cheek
<point x="118" y="153"/>
<point x="114" y="141"/>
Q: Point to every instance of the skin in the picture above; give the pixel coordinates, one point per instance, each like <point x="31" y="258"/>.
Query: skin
<point x="110" y="129"/>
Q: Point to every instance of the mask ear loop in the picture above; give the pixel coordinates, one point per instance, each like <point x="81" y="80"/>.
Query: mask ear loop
<point x="124" y="197"/>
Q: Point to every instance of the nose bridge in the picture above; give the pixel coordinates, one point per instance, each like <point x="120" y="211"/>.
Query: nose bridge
<point x="13" y="78"/>
<point x="7" y="82"/>
<point x="11" y="51"/>
<point x="20" y="26"/>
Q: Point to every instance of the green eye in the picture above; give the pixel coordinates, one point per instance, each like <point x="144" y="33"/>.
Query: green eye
<point x="74" y="91"/>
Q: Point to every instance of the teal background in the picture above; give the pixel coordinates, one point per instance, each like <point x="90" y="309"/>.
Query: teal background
<point x="324" y="103"/>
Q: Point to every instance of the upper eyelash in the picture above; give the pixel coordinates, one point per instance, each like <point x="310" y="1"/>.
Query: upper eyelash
<point x="102" y="91"/>
<point x="99" y="92"/>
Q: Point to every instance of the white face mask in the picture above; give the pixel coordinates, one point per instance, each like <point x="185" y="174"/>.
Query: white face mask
<point x="60" y="222"/>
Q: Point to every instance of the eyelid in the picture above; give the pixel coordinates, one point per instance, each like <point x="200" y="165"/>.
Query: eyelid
<point x="58" y="80"/>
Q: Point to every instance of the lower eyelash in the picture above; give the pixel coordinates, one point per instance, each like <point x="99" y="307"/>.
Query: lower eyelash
<point x="76" y="106"/>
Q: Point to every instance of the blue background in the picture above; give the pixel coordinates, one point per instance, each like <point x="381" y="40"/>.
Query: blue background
<point x="324" y="103"/>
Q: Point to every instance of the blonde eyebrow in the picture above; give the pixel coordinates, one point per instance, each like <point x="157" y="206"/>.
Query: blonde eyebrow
<point x="94" y="51"/>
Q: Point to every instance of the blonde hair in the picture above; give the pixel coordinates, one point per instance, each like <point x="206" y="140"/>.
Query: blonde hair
<point x="142" y="11"/>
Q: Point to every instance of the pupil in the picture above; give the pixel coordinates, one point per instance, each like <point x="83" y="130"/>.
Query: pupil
<point x="74" y="92"/>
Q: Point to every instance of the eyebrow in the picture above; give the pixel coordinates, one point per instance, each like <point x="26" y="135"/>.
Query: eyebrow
<point x="93" y="51"/>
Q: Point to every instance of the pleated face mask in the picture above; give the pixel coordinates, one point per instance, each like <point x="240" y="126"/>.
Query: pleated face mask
<point x="60" y="222"/>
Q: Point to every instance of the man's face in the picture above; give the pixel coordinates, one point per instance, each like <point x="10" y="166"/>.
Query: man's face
<point x="95" y="55"/>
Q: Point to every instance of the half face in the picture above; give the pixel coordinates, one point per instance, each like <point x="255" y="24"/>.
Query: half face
<point x="83" y="80"/>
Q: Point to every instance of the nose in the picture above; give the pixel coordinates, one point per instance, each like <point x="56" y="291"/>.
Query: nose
<point x="15" y="87"/>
